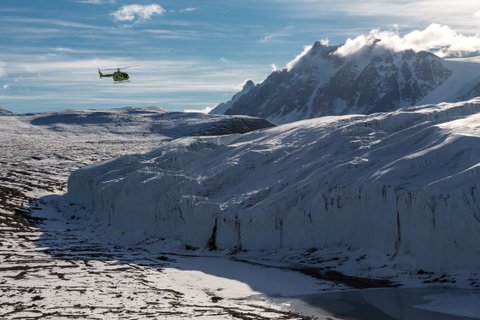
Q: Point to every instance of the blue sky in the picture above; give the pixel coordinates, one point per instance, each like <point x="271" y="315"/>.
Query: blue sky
<point x="185" y="54"/>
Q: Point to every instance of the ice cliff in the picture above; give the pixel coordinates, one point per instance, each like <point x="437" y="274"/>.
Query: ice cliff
<point x="403" y="183"/>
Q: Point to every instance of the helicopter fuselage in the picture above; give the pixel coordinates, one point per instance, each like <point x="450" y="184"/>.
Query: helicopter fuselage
<point x="120" y="76"/>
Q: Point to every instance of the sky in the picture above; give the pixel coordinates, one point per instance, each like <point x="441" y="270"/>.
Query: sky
<point x="184" y="54"/>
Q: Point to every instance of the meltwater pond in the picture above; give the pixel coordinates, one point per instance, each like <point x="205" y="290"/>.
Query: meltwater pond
<point x="437" y="303"/>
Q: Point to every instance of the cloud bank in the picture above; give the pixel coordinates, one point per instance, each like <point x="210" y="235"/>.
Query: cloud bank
<point x="137" y="12"/>
<point x="438" y="39"/>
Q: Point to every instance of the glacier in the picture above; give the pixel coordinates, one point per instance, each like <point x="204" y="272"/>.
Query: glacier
<point x="403" y="183"/>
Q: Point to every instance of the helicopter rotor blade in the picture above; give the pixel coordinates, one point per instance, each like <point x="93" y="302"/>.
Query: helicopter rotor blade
<point x="110" y="69"/>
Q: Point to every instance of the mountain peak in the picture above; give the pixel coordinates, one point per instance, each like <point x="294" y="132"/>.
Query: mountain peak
<point x="358" y="77"/>
<point x="224" y="106"/>
<point x="248" y="85"/>
<point x="320" y="44"/>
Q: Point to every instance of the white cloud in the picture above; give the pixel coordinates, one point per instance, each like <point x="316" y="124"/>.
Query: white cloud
<point x="276" y="36"/>
<point x="175" y="34"/>
<point x="204" y="110"/>
<point x="325" y="42"/>
<point x="292" y="63"/>
<point x="438" y="39"/>
<point x="38" y="25"/>
<point x="477" y="14"/>
<point x="97" y="2"/>
<point x="62" y="49"/>
<point x="137" y="12"/>
<point x="274" y="67"/>
<point x="190" y="9"/>
<point x="269" y="37"/>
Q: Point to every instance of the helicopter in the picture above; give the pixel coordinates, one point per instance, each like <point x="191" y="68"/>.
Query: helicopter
<point x="118" y="76"/>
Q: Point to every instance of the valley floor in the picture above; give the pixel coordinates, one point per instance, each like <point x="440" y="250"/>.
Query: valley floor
<point x="56" y="263"/>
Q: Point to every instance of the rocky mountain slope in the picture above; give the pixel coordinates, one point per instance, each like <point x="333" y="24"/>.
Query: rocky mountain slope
<point x="224" y="106"/>
<point x="325" y="81"/>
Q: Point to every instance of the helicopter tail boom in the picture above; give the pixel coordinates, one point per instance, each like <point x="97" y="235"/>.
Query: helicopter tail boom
<point x="103" y="75"/>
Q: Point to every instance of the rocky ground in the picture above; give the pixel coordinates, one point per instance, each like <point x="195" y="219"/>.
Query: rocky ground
<point x="55" y="268"/>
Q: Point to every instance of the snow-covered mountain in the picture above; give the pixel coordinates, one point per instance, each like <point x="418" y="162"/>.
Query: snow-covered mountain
<point x="325" y="81"/>
<point x="143" y="121"/>
<point x="402" y="183"/>
<point x="224" y="106"/>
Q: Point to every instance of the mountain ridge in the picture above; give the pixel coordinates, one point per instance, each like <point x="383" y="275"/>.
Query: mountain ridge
<point x="373" y="79"/>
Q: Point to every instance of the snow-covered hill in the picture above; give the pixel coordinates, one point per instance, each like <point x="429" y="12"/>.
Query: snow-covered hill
<point x="5" y="112"/>
<point x="402" y="183"/>
<point x="329" y="80"/>
<point x="142" y="121"/>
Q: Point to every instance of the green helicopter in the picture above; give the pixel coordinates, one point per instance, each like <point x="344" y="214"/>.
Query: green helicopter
<point x="118" y="76"/>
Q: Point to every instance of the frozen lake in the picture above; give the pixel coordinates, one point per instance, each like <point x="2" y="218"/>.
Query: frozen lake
<point x="437" y="303"/>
